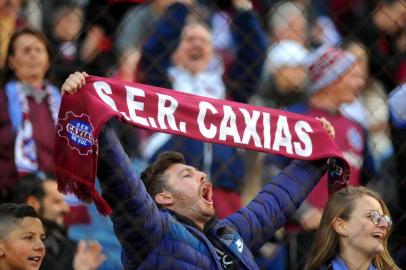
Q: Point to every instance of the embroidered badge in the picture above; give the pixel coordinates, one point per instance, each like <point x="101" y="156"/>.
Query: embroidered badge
<point x="240" y="245"/>
<point x="355" y="139"/>
<point x="78" y="132"/>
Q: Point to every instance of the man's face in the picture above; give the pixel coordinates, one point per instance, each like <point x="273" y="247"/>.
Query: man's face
<point x="191" y="193"/>
<point x="194" y="51"/>
<point x="393" y="17"/>
<point x="296" y="30"/>
<point x="53" y="205"/>
<point x="23" y="247"/>
<point x="30" y="60"/>
<point x="348" y="86"/>
<point x="68" y="26"/>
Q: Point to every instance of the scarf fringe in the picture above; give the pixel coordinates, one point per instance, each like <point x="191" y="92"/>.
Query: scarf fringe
<point x="83" y="192"/>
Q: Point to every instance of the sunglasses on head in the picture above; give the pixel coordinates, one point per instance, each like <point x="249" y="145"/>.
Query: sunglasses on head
<point x="379" y="219"/>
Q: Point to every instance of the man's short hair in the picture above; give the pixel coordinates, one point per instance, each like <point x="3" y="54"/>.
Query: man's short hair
<point x="153" y="176"/>
<point x="11" y="214"/>
<point x="29" y="185"/>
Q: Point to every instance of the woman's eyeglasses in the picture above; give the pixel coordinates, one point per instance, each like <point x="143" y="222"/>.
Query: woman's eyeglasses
<point x="378" y="219"/>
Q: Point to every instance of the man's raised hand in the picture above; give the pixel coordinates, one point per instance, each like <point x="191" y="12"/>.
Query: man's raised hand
<point x="327" y="126"/>
<point x="74" y="82"/>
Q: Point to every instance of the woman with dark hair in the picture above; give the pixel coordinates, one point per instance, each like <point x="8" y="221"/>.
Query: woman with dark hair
<point x="353" y="233"/>
<point x="29" y="106"/>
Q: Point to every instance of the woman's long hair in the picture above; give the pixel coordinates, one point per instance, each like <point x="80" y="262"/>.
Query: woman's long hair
<point x="326" y="244"/>
<point x="7" y="72"/>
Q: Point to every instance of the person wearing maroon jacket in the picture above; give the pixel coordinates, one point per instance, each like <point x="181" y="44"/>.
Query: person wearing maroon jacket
<point x="335" y="78"/>
<point x="29" y="106"/>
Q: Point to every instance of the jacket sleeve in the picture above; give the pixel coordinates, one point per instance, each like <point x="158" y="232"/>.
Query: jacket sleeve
<point x="157" y="50"/>
<point x="276" y="202"/>
<point x="251" y="43"/>
<point x="137" y="221"/>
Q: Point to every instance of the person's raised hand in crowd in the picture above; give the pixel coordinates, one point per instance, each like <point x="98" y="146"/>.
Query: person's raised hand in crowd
<point x="74" y="82"/>
<point x="88" y="256"/>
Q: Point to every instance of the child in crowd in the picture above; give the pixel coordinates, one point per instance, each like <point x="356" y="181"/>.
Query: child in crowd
<point x="21" y="237"/>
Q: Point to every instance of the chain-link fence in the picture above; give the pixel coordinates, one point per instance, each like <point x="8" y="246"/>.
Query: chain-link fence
<point x="339" y="59"/>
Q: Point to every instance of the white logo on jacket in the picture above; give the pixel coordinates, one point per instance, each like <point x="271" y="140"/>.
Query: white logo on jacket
<point x="240" y="245"/>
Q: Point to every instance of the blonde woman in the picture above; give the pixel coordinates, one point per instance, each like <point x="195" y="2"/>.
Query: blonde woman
<point x="353" y="233"/>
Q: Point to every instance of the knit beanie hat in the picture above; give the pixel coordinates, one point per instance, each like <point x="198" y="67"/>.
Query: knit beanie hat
<point x="326" y="65"/>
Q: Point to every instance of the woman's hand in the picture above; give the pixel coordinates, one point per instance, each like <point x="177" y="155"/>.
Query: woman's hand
<point x="74" y="82"/>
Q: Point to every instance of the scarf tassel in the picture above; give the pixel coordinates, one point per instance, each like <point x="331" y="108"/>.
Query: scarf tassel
<point x="85" y="193"/>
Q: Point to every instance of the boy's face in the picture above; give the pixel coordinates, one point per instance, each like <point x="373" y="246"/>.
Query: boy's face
<point x="23" y="248"/>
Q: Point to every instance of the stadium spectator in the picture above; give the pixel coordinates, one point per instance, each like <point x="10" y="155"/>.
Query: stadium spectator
<point x="370" y="109"/>
<point x="67" y="21"/>
<point x="184" y="65"/>
<point x="285" y="75"/>
<point x="185" y="60"/>
<point x="62" y="252"/>
<point x="29" y="106"/>
<point x="353" y="233"/>
<point x="287" y="21"/>
<point x="134" y="29"/>
<point x="378" y="25"/>
<point x="335" y="79"/>
<point x="21" y="237"/>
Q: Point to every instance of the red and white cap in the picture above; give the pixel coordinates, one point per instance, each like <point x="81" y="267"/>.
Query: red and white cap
<point x="327" y="64"/>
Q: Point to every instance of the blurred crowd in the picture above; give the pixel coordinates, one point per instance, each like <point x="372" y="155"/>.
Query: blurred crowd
<point x="342" y="60"/>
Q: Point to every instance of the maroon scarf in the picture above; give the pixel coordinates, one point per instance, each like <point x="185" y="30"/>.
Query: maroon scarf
<point x="83" y="114"/>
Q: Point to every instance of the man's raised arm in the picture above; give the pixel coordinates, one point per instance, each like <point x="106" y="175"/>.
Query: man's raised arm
<point x="279" y="199"/>
<point x="137" y="221"/>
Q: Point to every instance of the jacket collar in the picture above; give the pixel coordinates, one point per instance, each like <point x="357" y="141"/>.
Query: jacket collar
<point x="209" y="224"/>
<point x="338" y="264"/>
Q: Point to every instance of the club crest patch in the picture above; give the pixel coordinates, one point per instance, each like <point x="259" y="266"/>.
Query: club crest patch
<point x="355" y="139"/>
<point x="78" y="131"/>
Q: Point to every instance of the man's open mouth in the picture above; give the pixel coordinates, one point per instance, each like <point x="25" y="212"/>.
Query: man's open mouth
<point x="207" y="193"/>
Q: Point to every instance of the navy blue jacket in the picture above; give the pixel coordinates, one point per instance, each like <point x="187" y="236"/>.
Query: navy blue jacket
<point x="154" y="238"/>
